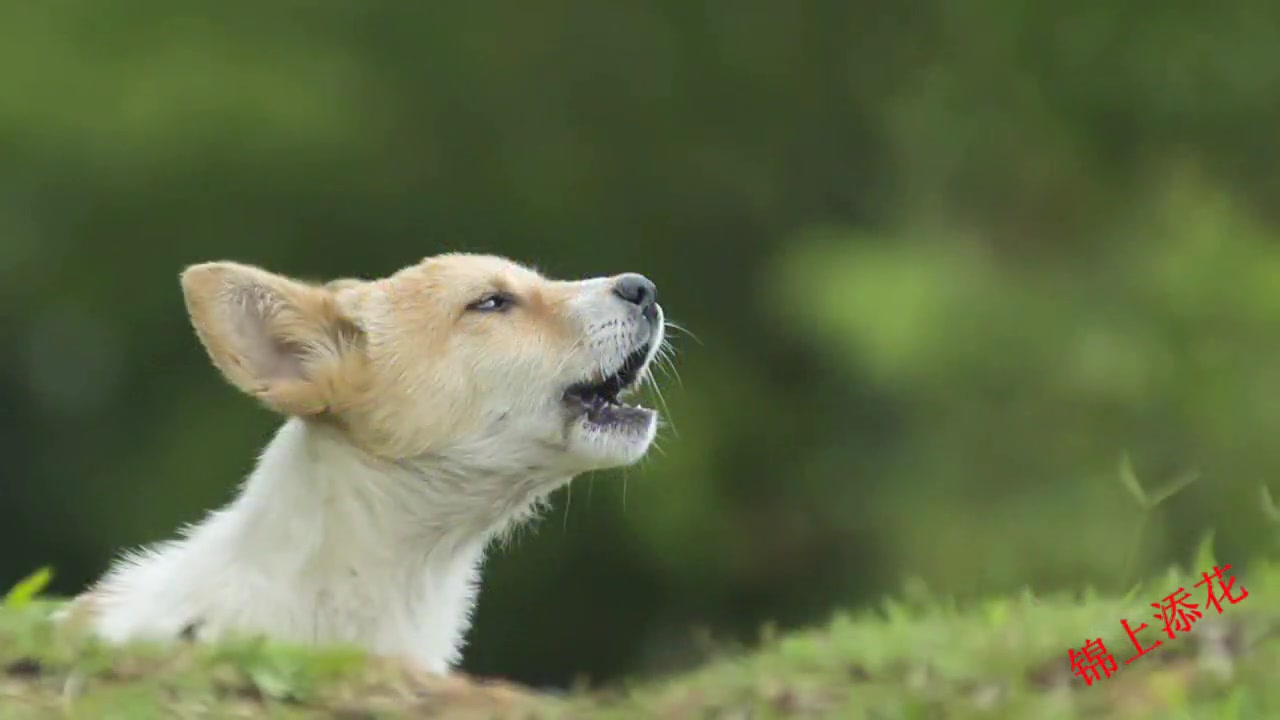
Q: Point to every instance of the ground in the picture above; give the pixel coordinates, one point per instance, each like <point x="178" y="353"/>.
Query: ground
<point x="916" y="657"/>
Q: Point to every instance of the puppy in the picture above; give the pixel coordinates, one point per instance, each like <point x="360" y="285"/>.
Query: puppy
<point x="427" y="413"/>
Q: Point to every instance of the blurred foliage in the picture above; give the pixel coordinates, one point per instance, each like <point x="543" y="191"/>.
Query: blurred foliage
<point x="946" y="264"/>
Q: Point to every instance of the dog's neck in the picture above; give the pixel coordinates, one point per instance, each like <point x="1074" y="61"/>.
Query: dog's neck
<point x="312" y="476"/>
<point x="327" y="543"/>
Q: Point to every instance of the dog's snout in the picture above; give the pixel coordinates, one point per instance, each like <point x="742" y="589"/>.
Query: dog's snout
<point x="636" y="289"/>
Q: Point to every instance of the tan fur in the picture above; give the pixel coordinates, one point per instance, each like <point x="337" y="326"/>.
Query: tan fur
<point x="323" y="364"/>
<point x="315" y="364"/>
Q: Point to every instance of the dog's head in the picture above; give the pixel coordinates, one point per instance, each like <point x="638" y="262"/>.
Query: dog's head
<point x="470" y="358"/>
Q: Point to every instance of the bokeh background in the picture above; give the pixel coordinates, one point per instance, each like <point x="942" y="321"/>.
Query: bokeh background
<point x="946" y="263"/>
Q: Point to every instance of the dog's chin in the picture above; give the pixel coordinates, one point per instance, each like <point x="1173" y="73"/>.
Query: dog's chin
<point x="612" y="436"/>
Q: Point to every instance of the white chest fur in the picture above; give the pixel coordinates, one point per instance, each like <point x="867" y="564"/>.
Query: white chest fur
<point x="323" y="545"/>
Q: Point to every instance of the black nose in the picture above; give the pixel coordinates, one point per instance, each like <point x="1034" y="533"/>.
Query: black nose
<point x="636" y="289"/>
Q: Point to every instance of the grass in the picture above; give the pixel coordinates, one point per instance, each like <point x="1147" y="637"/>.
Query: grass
<point x="916" y="658"/>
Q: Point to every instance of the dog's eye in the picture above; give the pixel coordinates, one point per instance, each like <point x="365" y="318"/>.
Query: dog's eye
<point x="493" y="302"/>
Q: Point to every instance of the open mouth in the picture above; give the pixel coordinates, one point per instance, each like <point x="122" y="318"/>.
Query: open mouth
<point x="600" y="400"/>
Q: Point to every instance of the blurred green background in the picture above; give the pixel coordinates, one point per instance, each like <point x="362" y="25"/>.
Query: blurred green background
<point x="946" y="264"/>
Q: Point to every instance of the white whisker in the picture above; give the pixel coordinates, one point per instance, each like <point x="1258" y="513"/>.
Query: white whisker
<point x="567" y="356"/>
<point x="677" y="326"/>
<point x="666" y="411"/>
<point x="568" y="502"/>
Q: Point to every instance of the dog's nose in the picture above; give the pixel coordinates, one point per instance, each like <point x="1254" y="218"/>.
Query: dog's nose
<point x="636" y="289"/>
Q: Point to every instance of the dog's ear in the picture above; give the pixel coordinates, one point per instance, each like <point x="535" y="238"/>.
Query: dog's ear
<point x="285" y="342"/>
